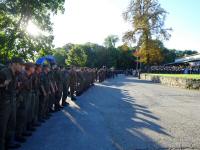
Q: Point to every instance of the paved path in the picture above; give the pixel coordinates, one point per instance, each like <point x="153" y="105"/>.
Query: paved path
<point x="124" y="114"/>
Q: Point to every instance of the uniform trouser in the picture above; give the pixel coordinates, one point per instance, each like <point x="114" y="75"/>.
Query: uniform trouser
<point x="59" y="95"/>
<point x="21" y="117"/>
<point x="41" y="107"/>
<point x="43" y="104"/>
<point x="5" y="113"/>
<point x="82" y="86"/>
<point x="29" y="107"/>
<point x="46" y="105"/>
<point x="51" y="100"/>
<point x="7" y="122"/>
<point x="72" y="89"/>
<point x="36" y="108"/>
<point x="65" y="94"/>
<point x="33" y="96"/>
<point x="64" y="97"/>
<point x="58" y="98"/>
<point x="79" y="89"/>
<point x="12" y="121"/>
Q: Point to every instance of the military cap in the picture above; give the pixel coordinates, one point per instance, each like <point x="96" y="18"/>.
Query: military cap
<point x="29" y="65"/>
<point x="46" y="66"/>
<point x="17" y="60"/>
<point x="38" y="65"/>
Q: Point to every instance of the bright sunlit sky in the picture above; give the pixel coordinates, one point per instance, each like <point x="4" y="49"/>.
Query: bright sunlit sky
<point x="93" y="20"/>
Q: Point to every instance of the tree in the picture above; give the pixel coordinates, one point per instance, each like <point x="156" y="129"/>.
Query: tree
<point x="20" y="13"/>
<point x="97" y="56"/>
<point x="185" y="53"/>
<point x="89" y="49"/>
<point x="126" y="59"/>
<point x="60" y="55"/>
<point x="147" y="18"/>
<point x="77" y="57"/>
<point x="111" y="41"/>
<point x="155" y="56"/>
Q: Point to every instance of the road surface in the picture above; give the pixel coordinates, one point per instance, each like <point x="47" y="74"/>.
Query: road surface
<point x="124" y="114"/>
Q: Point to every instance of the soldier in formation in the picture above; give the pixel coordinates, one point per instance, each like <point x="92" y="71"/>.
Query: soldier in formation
<point x="30" y="93"/>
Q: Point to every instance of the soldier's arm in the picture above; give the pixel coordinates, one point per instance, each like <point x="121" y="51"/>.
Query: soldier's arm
<point x="80" y="76"/>
<point x="76" y="79"/>
<point x="42" y="86"/>
<point x="3" y="81"/>
<point x="52" y="87"/>
<point x="43" y="90"/>
<point x="55" y="85"/>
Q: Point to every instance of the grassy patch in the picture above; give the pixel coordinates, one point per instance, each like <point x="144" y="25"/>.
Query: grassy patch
<point x="188" y="76"/>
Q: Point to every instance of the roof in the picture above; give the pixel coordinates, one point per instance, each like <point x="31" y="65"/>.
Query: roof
<point x="191" y="58"/>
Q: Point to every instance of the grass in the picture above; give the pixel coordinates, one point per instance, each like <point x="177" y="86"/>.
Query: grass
<point x="188" y="76"/>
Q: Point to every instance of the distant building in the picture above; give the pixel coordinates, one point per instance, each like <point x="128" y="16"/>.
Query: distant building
<point x="193" y="60"/>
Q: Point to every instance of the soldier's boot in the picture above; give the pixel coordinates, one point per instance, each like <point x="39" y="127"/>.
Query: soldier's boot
<point x="64" y="103"/>
<point x="73" y="98"/>
<point x="30" y="127"/>
<point x="78" y="94"/>
<point x="27" y="134"/>
<point x="37" y="124"/>
<point x="20" y="138"/>
<point x="12" y="145"/>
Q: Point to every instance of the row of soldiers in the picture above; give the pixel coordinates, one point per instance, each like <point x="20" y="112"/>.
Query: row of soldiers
<point x="105" y="73"/>
<point x="30" y="93"/>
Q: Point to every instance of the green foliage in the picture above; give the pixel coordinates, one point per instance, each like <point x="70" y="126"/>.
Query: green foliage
<point x="111" y="41"/>
<point x="14" y="18"/>
<point x="77" y="57"/>
<point x="126" y="59"/>
<point x="96" y="56"/>
<point x="60" y="55"/>
<point x="180" y="54"/>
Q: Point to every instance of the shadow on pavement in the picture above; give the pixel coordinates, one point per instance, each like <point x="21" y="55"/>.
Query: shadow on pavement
<point x="110" y="119"/>
<point x="105" y="117"/>
<point x="126" y="80"/>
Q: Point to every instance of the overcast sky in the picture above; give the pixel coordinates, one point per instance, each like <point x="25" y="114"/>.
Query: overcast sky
<point x="93" y="20"/>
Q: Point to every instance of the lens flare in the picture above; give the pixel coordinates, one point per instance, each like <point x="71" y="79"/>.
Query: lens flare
<point x="32" y="29"/>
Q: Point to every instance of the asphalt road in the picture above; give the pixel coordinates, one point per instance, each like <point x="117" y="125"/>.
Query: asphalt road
<point x="124" y="114"/>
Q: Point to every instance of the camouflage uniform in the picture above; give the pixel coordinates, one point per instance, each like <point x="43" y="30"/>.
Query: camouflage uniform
<point x="72" y="83"/>
<point x="7" y="106"/>
<point x="22" y="109"/>
<point x="52" y="96"/>
<point x="36" y="87"/>
<point x="44" y="99"/>
<point x="80" y="82"/>
<point x="59" y="84"/>
<point x="65" y="76"/>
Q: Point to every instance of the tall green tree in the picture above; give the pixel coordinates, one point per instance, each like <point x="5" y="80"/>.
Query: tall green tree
<point x="111" y="41"/>
<point x="76" y="57"/>
<point x="60" y="55"/>
<point x="126" y="59"/>
<point x="148" y="21"/>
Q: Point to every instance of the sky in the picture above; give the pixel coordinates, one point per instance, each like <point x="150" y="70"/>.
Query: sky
<point x="93" y="20"/>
